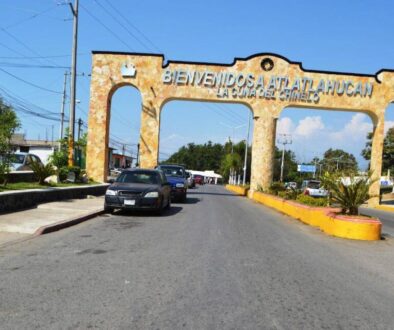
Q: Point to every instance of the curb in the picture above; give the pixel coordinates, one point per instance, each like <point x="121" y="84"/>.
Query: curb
<point x="386" y="208"/>
<point x="66" y="223"/>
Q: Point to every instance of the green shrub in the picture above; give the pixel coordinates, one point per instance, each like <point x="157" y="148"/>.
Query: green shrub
<point x="275" y="188"/>
<point x="59" y="158"/>
<point x="289" y="194"/>
<point x="42" y="171"/>
<point x="349" y="194"/>
<point x="76" y="170"/>
<point x="312" y="201"/>
<point x="63" y="172"/>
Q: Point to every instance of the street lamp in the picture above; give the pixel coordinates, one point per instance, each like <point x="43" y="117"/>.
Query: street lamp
<point x="283" y="139"/>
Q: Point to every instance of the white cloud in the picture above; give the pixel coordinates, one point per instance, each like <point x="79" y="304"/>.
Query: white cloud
<point x="285" y="126"/>
<point x="308" y="126"/>
<point x="387" y="125"/>
<point x="355" y="130"/>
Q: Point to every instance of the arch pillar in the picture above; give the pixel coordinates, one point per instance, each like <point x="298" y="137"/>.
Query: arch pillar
<point x="98" y="130"/>
<point x="149" y="133"/>
<point x="376" y="160"/>
<point x="263" y="151"/>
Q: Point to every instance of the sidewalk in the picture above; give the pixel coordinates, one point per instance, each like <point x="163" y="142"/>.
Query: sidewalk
<point x="47" y="217"/>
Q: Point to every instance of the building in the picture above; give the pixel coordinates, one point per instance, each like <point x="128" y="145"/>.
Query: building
<point x="40" y="148"/>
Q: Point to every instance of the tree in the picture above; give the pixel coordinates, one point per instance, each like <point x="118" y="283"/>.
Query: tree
<point x="9" y="124"/>
<point x="231" y="162"/>
<point x="388" y="150"/>
<point x="335" y="160"/>
<point x="215" y="157"/>
<point x="199" y="157"/>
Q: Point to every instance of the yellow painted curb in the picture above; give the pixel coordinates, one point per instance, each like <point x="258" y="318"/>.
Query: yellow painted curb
<point x="385" y="208"/>
<point x="242" y="191"/>
<point x="327" y="219"/>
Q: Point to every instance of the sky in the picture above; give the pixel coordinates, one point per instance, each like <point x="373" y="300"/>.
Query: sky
<point x="347" y="36"/>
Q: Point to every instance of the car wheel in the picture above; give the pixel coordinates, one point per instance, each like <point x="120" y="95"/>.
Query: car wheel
<point x="108" y="209"/>
<point x="183" y="198"/>
<point x="159" y="211"/>
<point x="168" y="206"/>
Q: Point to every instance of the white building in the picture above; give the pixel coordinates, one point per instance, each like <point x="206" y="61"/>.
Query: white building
<point x="41" y="148"/>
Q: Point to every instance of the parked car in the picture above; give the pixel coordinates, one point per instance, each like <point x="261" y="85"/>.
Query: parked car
<point x="291" y="185"/>
<point x="198" y="179"/>
<point x="22" y="161"/>
<point x="313" y="188"/>
<point x="176" y="176"/>
<point x="141" y="189"/>
<point x="190" y="180"/>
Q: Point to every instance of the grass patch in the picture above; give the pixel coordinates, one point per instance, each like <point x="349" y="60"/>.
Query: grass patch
<point x="35" y="185"/>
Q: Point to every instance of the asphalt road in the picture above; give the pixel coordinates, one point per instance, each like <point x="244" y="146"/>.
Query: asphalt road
<point x="387" y="219"/>
<point x="217" y="262"/>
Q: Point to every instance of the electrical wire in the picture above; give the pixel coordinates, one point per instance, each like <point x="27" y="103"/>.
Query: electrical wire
<point x="133" y="26"/>
<point x="30" y="83"/>
<point x="106" y="27"/>
<point x="23" y="65"/>
<point x="116" y="19"/>
<point x="30" y="17"/>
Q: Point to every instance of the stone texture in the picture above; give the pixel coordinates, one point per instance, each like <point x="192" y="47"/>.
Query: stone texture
<point x="107" y="78"/>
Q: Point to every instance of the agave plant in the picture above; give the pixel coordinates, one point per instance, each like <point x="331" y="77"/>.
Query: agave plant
<point x="349" y="192"/>
<point x="42" y="171"/>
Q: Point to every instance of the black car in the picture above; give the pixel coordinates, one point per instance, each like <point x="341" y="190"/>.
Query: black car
<point x="139" y="189"/>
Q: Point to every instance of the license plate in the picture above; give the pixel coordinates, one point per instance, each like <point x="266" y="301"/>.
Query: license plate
<point x="129" y="202"/>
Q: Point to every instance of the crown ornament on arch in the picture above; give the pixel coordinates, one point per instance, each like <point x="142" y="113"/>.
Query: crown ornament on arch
<point x="128" y="70"/>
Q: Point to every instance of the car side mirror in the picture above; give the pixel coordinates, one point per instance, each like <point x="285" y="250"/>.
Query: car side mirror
<point x="111" y="181"/>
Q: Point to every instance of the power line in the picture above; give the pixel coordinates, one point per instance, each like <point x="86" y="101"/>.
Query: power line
<point x="106" y="27"/>
<point x="30" y="83"/>
<point x="122" y="25"/>
<point x="30" y="17"/>
<point x="23" y="65"/>
<point x="23" y="44"/>
<point x="133" y="26"/>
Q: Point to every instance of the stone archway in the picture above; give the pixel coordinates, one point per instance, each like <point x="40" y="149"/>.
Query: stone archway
<point x="266" y="83"/>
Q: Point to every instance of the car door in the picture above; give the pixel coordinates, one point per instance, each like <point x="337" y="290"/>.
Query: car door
<point x="26" y="164"/>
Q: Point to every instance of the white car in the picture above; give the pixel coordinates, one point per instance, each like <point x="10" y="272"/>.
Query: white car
<point x="313" y="188"/>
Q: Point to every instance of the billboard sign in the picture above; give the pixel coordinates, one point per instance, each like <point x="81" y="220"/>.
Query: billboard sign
<point x="306" y="168"/>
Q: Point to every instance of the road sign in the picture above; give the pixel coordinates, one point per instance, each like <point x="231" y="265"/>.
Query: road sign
<point x="306" y="168"/>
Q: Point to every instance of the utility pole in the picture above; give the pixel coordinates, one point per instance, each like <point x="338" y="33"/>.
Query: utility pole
<point x="137" y="164"/>
<point x="74" y="10"/>
<point x="246" y="150"/>
<point x="123" y="158"/>
<point x="283" y="139"/>
<point x="62" y="107"/>
<point x="80" y="122"/>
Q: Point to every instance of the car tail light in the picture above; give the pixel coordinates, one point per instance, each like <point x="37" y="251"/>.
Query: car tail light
<point x="306" y="192"/>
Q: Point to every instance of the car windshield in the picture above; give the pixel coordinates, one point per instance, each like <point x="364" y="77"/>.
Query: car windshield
<point x="314" y="184"/>
<point x="172" y="171"/>
<point x="138" y="177"/>
<point x="18" y="159"/>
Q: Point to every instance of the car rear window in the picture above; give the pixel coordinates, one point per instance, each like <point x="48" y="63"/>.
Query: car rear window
<point x="314" y="184"/>
<point x="173" y="171"/>
<point x="138" y="177"/>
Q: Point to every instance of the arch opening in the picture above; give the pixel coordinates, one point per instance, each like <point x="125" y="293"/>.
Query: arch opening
<point x="124" y="118"/>
<point x="207" y="136"/>
<point x="313" y="136"/>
